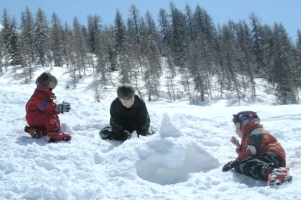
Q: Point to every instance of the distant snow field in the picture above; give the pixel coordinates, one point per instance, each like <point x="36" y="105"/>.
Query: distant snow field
<point x="183" y="160"/>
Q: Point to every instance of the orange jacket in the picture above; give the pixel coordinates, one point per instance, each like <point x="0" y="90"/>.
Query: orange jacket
<point x="257" y="140"/>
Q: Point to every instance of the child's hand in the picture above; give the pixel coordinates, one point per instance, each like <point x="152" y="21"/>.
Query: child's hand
<point x="63" y="107"/>
<point x="235" y="141"/>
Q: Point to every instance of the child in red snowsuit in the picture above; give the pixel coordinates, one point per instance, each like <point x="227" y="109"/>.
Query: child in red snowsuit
<point x="42" y="112"/>
<point x="260" y="155"/>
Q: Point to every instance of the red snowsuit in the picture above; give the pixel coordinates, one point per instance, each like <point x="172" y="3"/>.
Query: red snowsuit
<point x="40" y="110"/>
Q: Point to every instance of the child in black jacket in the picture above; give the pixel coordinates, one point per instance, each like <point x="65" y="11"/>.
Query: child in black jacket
<point x="128" y="113"/>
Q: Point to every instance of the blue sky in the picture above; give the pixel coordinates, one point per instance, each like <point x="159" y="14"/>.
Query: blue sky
<point x="269" y="11"/>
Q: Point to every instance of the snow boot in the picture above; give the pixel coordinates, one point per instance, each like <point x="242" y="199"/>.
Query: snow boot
<point x="279" y="176"/>
<point x="58" y="136"/>
<point x="33" y="132"/>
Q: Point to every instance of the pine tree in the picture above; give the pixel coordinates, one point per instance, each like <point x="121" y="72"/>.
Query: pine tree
<point x="229" y="55"/>
<point x="153" y="69"/>
<point x="197" y="71"/>
<point x="94" y="31"/>
<point x="120" y="33"/>
<point x="257" y="46"/>
<point x="268" y="43"/>
<point x="286" y="89"/>
<point x="134" y="31"/>
<point x="189" y="24"/>
<point x="121" y="49"/>
<point x="15" y="51"/>
<point x="67" y="46"/>
<point x="1" y="53"/>
<point x="297" y="63"/>
<point x="56" y="40"/>
<point x="9" y="37"/>
<point x="246" y="58"/>
<point x="41" y="37"/>
<point x="164" y="29"/>
<point x="27" y="41"/>
<point x="112" y="58"/>
<point x="80" y="48"/>
<point x="178" y="36"/>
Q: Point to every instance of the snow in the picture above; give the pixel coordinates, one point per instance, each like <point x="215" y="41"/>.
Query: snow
<point x="183" y="160"/>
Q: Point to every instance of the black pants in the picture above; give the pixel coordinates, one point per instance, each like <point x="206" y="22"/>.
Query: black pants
<point x="257" y="166"/>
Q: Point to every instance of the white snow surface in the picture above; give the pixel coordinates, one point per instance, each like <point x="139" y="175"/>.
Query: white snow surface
<point x="183" y="160"/>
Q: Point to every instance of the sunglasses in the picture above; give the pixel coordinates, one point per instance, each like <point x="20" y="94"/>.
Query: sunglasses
<point x="238" y="118"/>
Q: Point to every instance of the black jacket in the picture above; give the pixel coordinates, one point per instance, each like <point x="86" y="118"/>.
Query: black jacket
<point x="130" y="119"/>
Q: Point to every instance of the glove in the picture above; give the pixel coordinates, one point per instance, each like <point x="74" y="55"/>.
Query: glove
<point x="230" y="165"/>
<point x="63" y="107"/>
<point x="126" y="135"/>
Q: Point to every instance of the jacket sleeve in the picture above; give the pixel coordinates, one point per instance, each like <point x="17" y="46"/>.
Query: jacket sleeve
<point x="252" y="145"/>
<point x="40" y="100"/>
<point x="115" y="120"/>
<point x="243" y="153"/>
<point x="143" y="120"/>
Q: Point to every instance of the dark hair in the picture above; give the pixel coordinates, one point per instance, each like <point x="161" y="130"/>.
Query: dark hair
<point x="125" y="92"/>
<point x="46" y="79"/>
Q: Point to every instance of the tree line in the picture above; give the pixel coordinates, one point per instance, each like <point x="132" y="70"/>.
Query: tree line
<point x="212" y="60"/>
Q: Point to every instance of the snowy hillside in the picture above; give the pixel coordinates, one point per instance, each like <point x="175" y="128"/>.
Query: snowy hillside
<point x="183" y="160"/>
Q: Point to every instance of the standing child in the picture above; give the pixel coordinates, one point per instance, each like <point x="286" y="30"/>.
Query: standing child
<point x="260" y="155"/>
<point x="128" y="113"/>
<point x="42" y="112"/>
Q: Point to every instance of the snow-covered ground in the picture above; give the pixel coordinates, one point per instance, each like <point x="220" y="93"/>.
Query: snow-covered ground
<point x="183" y="160"/>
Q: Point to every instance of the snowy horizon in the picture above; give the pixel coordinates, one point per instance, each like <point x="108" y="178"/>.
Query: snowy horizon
<point x="183" y="160"/>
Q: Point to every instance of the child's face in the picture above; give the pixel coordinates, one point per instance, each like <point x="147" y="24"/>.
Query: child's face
<point x="52" y="85"/>
<point x="238" y="131"/>
<point x="127" y="102"/>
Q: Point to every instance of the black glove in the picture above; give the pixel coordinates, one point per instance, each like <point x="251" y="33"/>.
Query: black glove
<point x="126" y="135"/>
<point x="230" y="165"/>
<point x="63" y="107"/>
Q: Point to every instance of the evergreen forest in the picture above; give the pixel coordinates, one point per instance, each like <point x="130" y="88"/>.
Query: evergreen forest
<point x="211" y="60"/>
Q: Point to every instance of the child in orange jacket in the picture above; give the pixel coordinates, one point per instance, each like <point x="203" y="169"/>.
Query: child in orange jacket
<point x="42" y="112"/>
<point x="260" y="155"/>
